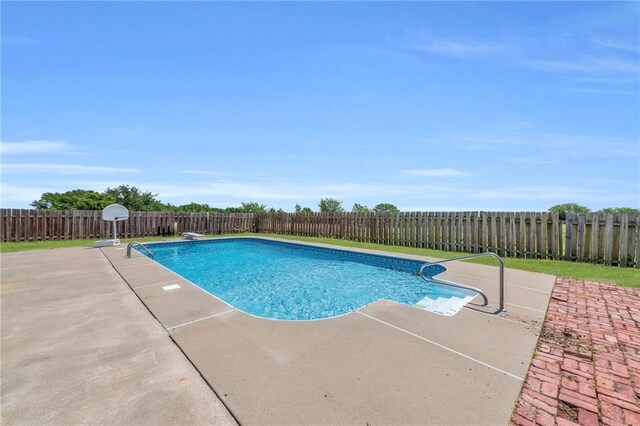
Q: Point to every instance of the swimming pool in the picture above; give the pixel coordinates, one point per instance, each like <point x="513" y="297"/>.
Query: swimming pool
<point x="289" y="281"/>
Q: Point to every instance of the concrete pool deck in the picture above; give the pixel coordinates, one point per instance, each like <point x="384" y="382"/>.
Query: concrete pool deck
<point x="78" y="347"/>
<point x="385" y="363"/>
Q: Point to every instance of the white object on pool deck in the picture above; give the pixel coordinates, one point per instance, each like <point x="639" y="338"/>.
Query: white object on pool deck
<point x="114" y="213"/>
<point x="170" y="287"/>
<point x="107" y="243"/>
<point x="444" y="306"/>
<point x="192" y="235"/>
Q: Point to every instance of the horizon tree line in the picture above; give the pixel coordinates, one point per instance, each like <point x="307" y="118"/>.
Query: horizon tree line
<point x="136" y="199"/>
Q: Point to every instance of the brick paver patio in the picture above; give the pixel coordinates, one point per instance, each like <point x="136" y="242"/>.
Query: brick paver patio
<point x="586" y="367"/>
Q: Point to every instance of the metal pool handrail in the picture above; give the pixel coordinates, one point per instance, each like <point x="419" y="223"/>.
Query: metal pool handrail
<point x="500" y="276"/>
<point x="137" y="244"/>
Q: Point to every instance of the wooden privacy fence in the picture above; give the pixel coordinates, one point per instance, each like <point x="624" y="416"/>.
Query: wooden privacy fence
<point x="612" y="239"/>
<point x="31" y="225"/>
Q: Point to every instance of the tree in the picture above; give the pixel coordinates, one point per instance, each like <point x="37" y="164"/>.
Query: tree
<point x="622" y="210"/>
<point x="136" y="200"/>
<point x="330" y="205"/>
<point x="563" y="209"/>
<point x="385" y="208"/>
<point x="360" y="208"/>
<point x="303" y="210"/>
<point x="195" y="208"/>
<point x="252" y="208"/>
<point x="77" y="199"/>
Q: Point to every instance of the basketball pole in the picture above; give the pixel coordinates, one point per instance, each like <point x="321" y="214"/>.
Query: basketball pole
<point x="114" y="230"/>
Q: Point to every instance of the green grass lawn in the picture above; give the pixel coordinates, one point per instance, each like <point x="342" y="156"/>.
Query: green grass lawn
<point x="54" y="244"/>
<point x="585" y="271"/>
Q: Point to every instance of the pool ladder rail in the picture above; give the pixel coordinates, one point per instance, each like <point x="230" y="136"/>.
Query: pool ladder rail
<point x="466" y="287"/>
<point x="137" y="244"/>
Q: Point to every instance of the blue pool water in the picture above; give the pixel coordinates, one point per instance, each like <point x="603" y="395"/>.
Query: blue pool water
<point x="297" y="282"/>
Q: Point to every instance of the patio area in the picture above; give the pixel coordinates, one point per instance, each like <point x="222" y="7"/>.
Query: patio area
<point x="586" y="368"/>
<point x="384" y="363"/>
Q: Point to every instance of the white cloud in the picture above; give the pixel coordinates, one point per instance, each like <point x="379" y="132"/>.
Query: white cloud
<point x="212" y="173"/>
<point x="617" y="45"/>
<point x="586" y="64"/>
<point x="34" y="147"/>
<point x="198" y="172"/>
<point x="14" y="196"/>
<point x="589" y="144"/>
<point x="603" y="91"/>
<point x="492" y="140"/>
<point x="63" y="169"/>
<point x="422" y="41"/>
<point x="625" y="152"/>
<point x="436" y="172"/>
<point x="243" y="190"/>
<point x="533" y="160"/>
<point x="606" y="181"/>
<point x="486" y="142"/>
<point x="15" y="40"/>
<point x="348" y="51"/>
<point x="444" y="208"/>
<point x="608" y="80"/>
<point x="459" y="49"/>
<point x="551" y="193"/>
<point x="278" y="190"/>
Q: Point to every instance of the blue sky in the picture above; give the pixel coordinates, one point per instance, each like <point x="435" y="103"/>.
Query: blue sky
<point x="429" y="106"/>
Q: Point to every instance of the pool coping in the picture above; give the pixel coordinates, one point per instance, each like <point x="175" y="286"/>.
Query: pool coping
<point x="188" y="331"/>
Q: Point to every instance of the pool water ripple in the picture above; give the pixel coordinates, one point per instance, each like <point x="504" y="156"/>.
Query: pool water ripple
<point x="296" y="282"/>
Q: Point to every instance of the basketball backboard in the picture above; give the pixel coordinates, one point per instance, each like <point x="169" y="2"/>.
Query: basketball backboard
<point x="115" y="212"/>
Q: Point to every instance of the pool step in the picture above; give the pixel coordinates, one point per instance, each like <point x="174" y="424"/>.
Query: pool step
<point x="444" y="305"/>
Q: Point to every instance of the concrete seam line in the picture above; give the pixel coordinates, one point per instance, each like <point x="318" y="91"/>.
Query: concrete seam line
<point x="205" y="380"/>
<point x="493" y="315"/>
<point x="530" y="289"/>
<point x="134" y="266"/>
<point x="443" y="347"/>
<point x="200" y="319"/>
<point x="519" y="306"/>
<point x="506" y="284"/>
<point x="158" y="283"/>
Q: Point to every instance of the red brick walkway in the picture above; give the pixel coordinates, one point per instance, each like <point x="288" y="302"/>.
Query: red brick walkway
<point x="586" y="367"/>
